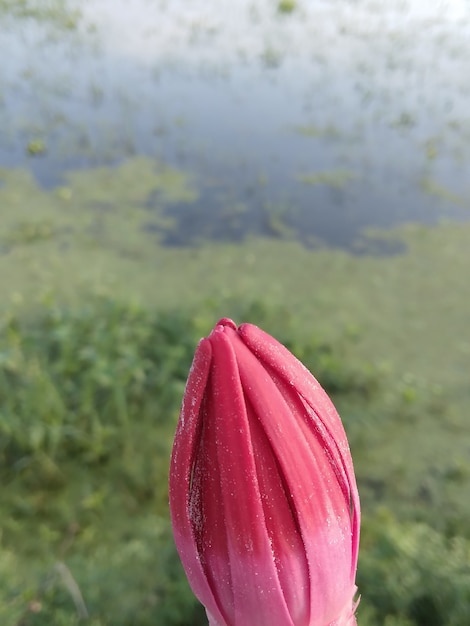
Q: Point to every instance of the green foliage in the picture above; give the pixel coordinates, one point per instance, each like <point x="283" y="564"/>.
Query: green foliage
<point x="137" y="580"/>
<point x="77" y="380"/>
<point x="327" y="360"/>
<point x="412" y="573"/>
<point x="90" y="398"/>
<point x="90" y="402"/>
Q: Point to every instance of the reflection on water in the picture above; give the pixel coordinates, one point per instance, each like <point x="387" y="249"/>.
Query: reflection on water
<point x="318" y="123"/>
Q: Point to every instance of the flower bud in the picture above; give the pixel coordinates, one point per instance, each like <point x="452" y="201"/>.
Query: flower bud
<point x="263" y="498"/>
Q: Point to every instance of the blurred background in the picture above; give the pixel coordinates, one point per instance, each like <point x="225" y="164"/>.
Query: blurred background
<point x="299" y="164"/>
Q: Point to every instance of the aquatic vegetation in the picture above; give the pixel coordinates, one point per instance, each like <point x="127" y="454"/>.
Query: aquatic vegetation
<point x="335" y="178"/>
<point x="443" y="193"/>
<point x="36" y="146"/>
<point x="27" y="232"/>
<point x="272" y="56"/>
<point x="311" y="130"/>
<point x="287" y="6"/>
<point x="405" y="120"/>
<point x="57" y="13"/>
<point x="431" y="149"/>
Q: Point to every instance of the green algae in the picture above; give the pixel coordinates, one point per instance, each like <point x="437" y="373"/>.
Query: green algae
<point x="106" y="208"/>
<point x="57" y="13"/>
<point x="94" y="231"/>
<point x="443" y="193"/>
<point x="36" y="146"/>
<point x="337" y="179"/>
<point x="131" y="184"/>
<point x="286" y="6"/>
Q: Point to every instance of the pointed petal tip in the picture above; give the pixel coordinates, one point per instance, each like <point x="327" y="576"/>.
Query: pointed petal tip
<point x="225" y="322"/>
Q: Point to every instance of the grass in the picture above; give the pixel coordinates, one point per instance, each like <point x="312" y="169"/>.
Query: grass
<point x="90" y="403"/>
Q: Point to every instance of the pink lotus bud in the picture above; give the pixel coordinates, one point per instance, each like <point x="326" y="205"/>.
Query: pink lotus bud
<point x="263" y="498"/>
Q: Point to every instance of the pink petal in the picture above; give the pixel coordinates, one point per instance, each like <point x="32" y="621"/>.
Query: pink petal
<point x="253" y="574"/>
<point x="278" y="359"/>
<point x="180" y="480"/>
<point x="263" y="498"/>
<point x="317" y="498"/>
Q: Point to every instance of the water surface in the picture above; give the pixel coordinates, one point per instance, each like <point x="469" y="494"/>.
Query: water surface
<point x="318" y="124"/>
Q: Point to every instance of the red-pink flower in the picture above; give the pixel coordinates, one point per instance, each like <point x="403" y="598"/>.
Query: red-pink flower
<point x="263" y="498"/>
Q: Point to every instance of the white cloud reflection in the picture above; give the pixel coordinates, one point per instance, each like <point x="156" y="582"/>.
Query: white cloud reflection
<point x="224" y="31"/>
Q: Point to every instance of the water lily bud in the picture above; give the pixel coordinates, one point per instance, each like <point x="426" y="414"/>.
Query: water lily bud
<point x="263" y="498"/>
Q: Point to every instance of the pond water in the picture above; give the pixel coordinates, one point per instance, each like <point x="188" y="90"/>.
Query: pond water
<point x="317" y="120"/>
